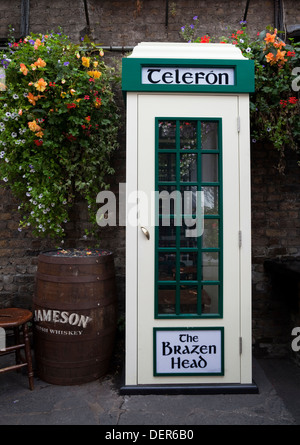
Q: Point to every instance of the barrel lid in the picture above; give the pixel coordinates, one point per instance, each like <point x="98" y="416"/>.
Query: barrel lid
<point x="75" y="255"/>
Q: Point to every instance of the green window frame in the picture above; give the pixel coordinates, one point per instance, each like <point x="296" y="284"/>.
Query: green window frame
<point x="180" y="294"/>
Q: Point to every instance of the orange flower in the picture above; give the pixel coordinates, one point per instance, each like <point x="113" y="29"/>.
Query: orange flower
<point x="37" y="43"/>
<point x="280" y="55"/>
<point x="32" y="99"/>
<point x="270" y="57"/>
<point x="33" y="126"/>
<point x="40" y="85"/>
<point x="20" y="112"/>
<point x="95" y="74"/>
<point x="270" y="38"/>
<point x="40" y="63"/>
<point x="39" y="134"/>
<point x="23" y="69"/>
<point x="279" y="44"/>
<point x="85" y="61"/>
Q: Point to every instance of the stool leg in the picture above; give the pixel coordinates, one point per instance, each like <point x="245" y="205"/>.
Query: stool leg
<point x="17" y="342"/>
<point x="28" y="355"/>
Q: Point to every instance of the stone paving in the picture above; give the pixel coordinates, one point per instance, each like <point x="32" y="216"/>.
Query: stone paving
<point x="99" y="403"/>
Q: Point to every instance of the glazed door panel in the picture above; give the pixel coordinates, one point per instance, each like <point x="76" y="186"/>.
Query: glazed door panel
<point x="188" y="262"/>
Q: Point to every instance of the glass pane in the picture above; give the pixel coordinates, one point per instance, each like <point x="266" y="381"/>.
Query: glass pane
<point x="166" y="299"/>
<point x="167" y="199"/>
<point x="210" y="168"/>
<point x="167" y="266"/>
<point x="209" y="135"/>
<point x="188" y="167"/>
<point x="189" y="199"/>
<point x="211" y="200"/>
<point x="210" y="299"/>
<point x="188" y="135"/>
<point x="211" y="233"/>
<point x="188" y="299"/>
<point x="210" y="266"/>
<point x="188" y="233"/>
<point x="167" y="135"/>
<point x="188" y="266"/>
<point x="167" y="167"/>
<point x="167" y="235"/>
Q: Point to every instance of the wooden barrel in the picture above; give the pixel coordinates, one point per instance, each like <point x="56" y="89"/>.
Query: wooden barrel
<point x="75" y="315"/>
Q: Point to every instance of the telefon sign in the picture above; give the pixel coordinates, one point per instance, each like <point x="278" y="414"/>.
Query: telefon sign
<point x="187" y="76"/>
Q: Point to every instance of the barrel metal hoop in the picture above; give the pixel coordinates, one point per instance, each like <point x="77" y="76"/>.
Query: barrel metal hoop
<point x="71" y="278"/>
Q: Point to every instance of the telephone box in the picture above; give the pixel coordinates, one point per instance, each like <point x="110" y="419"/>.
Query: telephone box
<point x="188" y="234"/>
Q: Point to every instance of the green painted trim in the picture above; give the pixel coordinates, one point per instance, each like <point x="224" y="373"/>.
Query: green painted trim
<point x="132" y="75"/>
<point x="190" y="374"/>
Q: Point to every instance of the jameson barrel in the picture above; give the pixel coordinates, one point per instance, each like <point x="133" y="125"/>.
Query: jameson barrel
<point x="75" y="314"/>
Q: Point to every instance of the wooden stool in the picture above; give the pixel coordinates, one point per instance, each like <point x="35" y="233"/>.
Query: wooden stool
<point x="16" y="318"/>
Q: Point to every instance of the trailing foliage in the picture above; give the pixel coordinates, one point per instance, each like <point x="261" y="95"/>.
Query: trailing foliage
<point x="59" y="125"/>
<point x="275" y="104"/>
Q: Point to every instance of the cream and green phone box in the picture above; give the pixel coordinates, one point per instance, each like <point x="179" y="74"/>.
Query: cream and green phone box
<point x="188" y="234"/>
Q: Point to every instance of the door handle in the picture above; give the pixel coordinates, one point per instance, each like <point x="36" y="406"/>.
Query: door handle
<point x="145" y="232"/>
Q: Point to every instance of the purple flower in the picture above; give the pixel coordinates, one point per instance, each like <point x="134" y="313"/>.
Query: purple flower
<point x="5" y="63"/>
<point x="192" y="26"/>
<point x="66" y="63"/>
<point x="31" y="41"/>
<point x="195" y="18"/>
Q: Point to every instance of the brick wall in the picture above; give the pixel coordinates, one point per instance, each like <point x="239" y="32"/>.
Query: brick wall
<point x="275" y="199"/>
<point x="275" y="235"/>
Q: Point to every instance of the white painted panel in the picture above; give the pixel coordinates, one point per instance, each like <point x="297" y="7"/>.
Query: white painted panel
<point x="188" y="106"/>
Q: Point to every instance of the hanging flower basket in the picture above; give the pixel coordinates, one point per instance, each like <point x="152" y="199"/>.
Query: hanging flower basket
<point x="275" y="105"/>
<point x="59" y="125"/>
